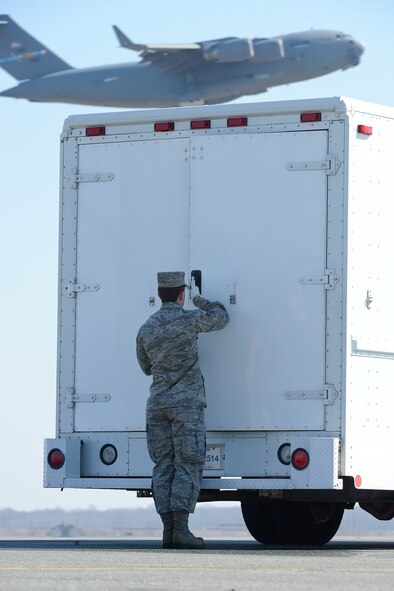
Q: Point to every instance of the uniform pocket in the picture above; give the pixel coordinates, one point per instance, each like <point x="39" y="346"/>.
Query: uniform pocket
<point x="193" y="444"/>
<point x="150" y="443"/>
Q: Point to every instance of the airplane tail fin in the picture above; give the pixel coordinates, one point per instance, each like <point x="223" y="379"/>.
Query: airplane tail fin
<point x="22" y="56"/>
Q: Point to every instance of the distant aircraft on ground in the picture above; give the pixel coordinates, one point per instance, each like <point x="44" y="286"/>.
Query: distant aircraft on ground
<point x="176" y="74"/>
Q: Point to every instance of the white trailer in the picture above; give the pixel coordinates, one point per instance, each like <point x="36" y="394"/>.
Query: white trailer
<point x="287" y="210"/>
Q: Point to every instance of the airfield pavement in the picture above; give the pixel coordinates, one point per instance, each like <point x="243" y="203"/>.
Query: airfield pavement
<point x="33" y="564"/>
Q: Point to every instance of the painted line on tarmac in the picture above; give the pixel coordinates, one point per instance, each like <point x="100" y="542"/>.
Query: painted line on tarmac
<point x="190" y="569"/>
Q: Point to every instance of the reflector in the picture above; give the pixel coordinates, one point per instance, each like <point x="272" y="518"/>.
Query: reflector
<point x="364" y="129"/>
<point x="357" y="481"/>
<point x="165" y="126"/>
<point x="200" y="124"/>
<point x="237" y="121"/>
<point x="310" y="117"/>
<point x="95" y="131"/>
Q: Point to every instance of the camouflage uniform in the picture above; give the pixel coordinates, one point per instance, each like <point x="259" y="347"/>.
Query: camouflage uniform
<point x="167" y="350"/>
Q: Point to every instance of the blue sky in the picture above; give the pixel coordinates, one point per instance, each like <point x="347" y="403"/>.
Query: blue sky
<point x="80" y="32"/>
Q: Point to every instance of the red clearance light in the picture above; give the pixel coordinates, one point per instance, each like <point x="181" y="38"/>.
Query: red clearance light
<point x="200" y="124"/>
<point x="95" y="131"/>
<point x="364" y="129"/>
<point x="237" y="121"/>
<point x="310" y="117"/>
<point x="165" y="126"/>
<point x="300" y="458"/>
<point x="56" y="458"/>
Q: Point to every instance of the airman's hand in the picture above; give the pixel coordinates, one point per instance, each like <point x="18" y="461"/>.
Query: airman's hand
<point x="194" y="291"/>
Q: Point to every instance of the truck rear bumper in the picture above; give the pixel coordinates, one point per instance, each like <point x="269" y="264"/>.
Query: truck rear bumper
<point x="207" y="483"/>
<point x="320" y="473"/>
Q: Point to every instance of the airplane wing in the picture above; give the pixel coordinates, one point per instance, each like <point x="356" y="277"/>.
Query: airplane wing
<point x="184" y="56"/>
<point x="169" y="57"/>
<point x="167" y="48"/>
<point x="22" y="56"/>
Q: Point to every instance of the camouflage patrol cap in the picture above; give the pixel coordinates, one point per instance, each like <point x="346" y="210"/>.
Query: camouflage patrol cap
<point x="171" y="279"/>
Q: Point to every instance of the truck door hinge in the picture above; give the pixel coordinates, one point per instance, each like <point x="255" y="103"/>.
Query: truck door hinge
<point x="72" y="287"/>
<point x="93" y="177"/>
<point x="330" y="165"/>
<point x="74" y="398"/>
<point x="329" y="280"/>
<point x="327" y="394"/>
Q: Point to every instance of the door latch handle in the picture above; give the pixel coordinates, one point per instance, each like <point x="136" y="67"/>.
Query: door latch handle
<point x="197" y="276"/>
<point x="369" y="299"/>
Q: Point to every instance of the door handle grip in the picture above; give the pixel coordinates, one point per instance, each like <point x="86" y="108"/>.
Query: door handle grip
<point x="197" y="276"/>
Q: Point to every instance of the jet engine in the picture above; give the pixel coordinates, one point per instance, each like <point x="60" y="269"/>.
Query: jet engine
<point x="240" y="50"/>
<point x="268" y="50"/>
<point x="232" y="50"/>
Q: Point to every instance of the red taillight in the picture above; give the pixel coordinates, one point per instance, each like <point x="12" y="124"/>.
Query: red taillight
<point x="237" y="121"/>
<point x="200" y="124"/>
<point x="310" y="117"/>
<point x="364" y="129"/>
<point x="300" y="458"/>
<point x="56" y="458"/>
<point x="90" y="131"/>
<point x="165" y="126"/>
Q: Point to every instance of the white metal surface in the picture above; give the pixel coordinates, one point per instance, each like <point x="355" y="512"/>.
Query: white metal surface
<point x="209" y="483"/>
<point x="121" y="230"/>
<point x="370" y="307"/>
<point x="127" y="230"/>
<point x="71" y="448"/>
<point x="290" y="225"/>
<point x="256" y="231"/>
<point x="322" y="471"/>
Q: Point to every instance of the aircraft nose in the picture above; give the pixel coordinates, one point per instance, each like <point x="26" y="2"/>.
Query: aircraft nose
<point x="355" y="51"/>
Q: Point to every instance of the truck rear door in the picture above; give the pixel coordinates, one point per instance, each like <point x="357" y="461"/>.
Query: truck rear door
<point x="231" y="207"/>
<point x="258" y="235"/>
<point x="128" y="228"/>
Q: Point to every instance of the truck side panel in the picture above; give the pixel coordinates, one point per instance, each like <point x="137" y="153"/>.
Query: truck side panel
<point x="370" y="308"/>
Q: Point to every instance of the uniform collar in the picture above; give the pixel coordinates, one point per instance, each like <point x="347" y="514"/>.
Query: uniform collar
<point x="173" y="305"/>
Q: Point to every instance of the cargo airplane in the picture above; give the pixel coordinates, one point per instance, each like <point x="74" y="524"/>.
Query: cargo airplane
<point x="206" y="72"/>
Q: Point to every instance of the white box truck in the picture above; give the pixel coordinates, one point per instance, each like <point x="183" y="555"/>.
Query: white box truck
<point x="286" y="209"/>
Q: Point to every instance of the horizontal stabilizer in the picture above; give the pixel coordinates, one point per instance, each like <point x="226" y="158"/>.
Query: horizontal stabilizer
<point x="128" y="44"/>
<point x="22" y="56"/>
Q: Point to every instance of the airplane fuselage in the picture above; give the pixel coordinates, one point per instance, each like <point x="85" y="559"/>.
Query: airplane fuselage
<point x="148" y="84"/>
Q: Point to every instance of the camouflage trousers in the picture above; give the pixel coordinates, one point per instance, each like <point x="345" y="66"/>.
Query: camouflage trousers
<point x="176" y="445"/>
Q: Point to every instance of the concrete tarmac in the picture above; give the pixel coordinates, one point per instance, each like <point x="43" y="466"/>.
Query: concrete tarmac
<point x="224" y="565"/>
